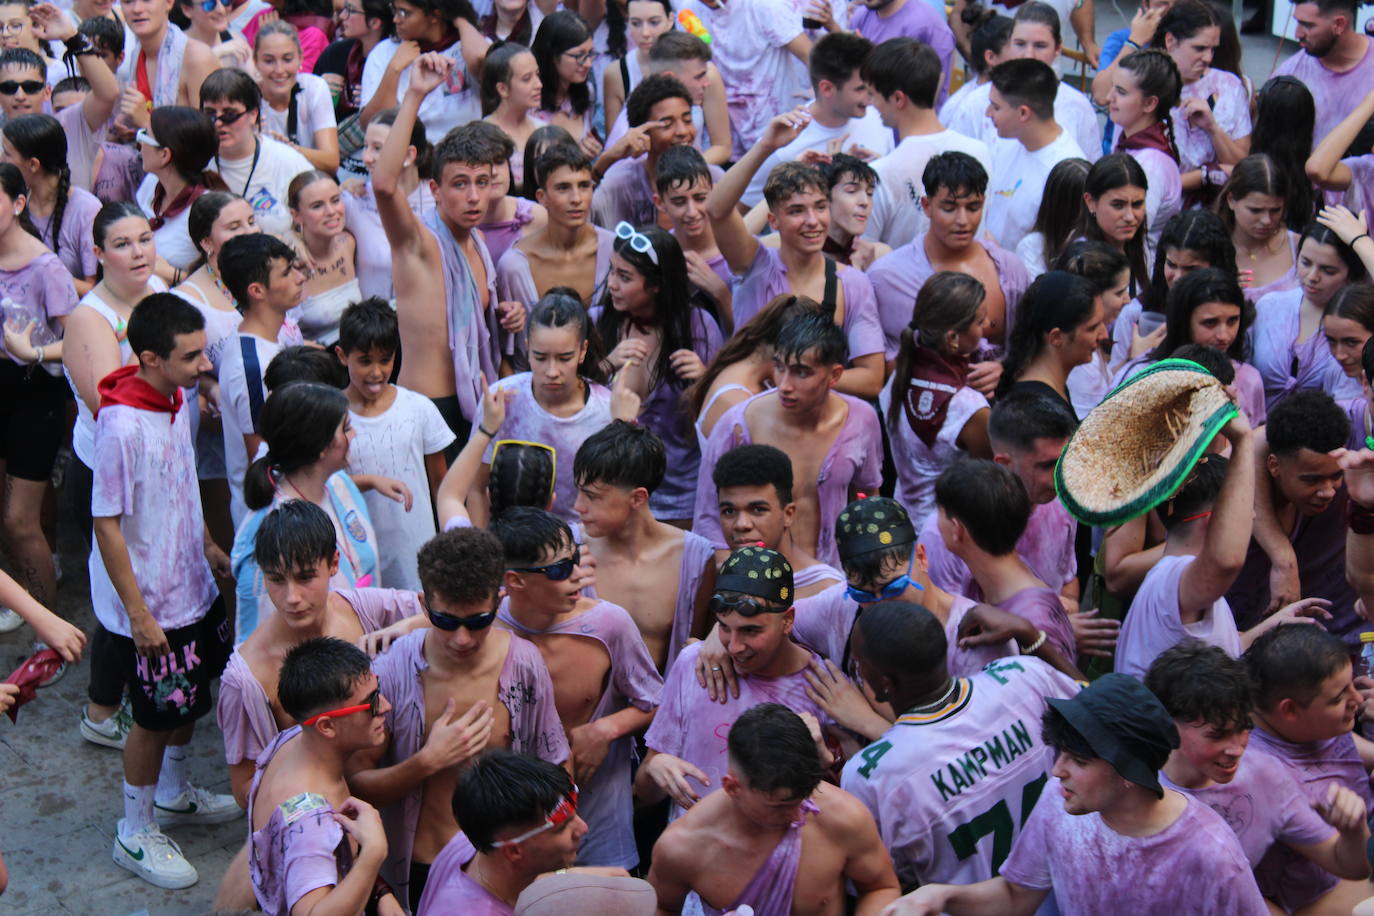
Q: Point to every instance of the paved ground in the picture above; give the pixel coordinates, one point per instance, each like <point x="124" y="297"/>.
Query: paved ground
<point x="60" y="796"/>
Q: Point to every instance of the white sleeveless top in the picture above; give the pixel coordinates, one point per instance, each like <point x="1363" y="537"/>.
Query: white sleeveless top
<point x="318" y="315"/>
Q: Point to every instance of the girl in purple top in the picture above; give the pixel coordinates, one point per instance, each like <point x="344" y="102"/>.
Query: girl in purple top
<point x="38" y="295"/>
<point x="1347" y="325"/>
<point x="61" y="213"/>
<point x="559" y="402"/>
<point x="1145" y="87"/>
<point x="1207" y="307"/>
<point x="372" y="255"/>
<point x="1191" y="240"/>
<point x="1289" y="349"/>
<point x="1212" y="119"/>
<point x="563" y="48"/>
<point x="1254" y="207"/>
<point x="509" y="218"/>
<point x="511" y="89"/>
<point x="652" y="331"/>
<point x="932" y="415"/>
<point x="1113" y="211"/>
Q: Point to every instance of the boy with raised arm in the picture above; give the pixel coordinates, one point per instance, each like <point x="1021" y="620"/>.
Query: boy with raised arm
<point x="456" y="686"/>
<point x="956" y="187"/>
<point x="604" y="682"/>
<point x="799" y="211"/>
<point x="568" y="250"/>
<point x="755" y="506"/>
<point x="1210" y="696"/>
<point x="1105" y="836"/>
<point x="151" y="582"/>
<point x="454" y="329"/>
<point x="315" y="848"/>
<point x="833" y="439"/>
<point x="616" y="471"/>
<point x="753" y="607"/>
<point x="774" y="837"/>
<point x="961" y="746"/>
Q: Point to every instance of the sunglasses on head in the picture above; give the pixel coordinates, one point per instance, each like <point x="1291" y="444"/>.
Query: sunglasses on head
<point x="30" y="87"/>
<point x="743" y="605"/>
<point x="373" y="704"/>
<point x="224" y="117"/>
<point x="564" y="811"/>
<point x="474" y="622"/>
<point x="146" y="137"/>
<point x="555" y="572"/>
<point x="638" y="241"/>
<point x="887" y="592"/>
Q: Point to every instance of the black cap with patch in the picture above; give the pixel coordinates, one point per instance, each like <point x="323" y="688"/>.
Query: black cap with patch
<point x="757" y="571"/>
<point x="875" y="523"/>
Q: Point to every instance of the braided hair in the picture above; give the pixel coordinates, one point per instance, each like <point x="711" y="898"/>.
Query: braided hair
<point x="1157" y="75"/>
<point x="41" y="137"/>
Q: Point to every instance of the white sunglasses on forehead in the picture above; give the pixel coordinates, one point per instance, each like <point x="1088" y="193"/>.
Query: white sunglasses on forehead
<point x="638" y="241"/>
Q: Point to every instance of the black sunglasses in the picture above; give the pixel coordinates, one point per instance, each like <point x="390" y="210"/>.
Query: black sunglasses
<point x="30" y="87"/>
<point x="448" y="623"/>
<point x="223" y="117"/>
<point x="556" y="572"/>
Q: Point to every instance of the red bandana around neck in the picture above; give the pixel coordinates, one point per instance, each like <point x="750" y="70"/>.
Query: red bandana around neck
<point x="935" y="380"/>
<point x="1152" y="137"/>
<point x="123" y="386"/>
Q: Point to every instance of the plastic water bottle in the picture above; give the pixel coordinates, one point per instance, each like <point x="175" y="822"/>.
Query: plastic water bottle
<point x="1366" y="655"/>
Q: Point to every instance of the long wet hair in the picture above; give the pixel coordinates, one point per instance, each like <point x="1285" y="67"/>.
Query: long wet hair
<point x="1117" y="170"/>
<point x="1057" y="299"/>
<point x="948" y="301"/>
<point x="561" y="307"/>
<point x="1197" y="289"/>
<point x="1285" y="121"/>
<point x="41" y="137"/>
<point x="1057" y="218"/>
<point x="298" y="423"/>
<point x="760" y="331"/>
<point x="1199" y="231"/>
<point x="670" y="292"/>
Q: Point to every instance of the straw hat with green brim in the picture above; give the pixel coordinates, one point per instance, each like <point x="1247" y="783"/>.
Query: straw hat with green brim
<point x="1139" y="445"/>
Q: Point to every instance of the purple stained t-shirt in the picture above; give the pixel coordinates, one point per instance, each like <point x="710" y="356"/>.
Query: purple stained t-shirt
<point x="607" y="803"/>
<point x="299" y="849"/>
<point x="1046" y="546"/>
<point x="523" y="687"/>
<point x="244" y="711"/>
<point x="1284" y="364"/>
<point x="1334" y="94"/>
<point x="42" y="291"/>
<point x="1154" y="624"/>
<point x="1195" y="865"/>
<point x="766" y="278"/>
<point x="1042" y="607"/>
<point x="1264" y="805"/>
<point x="73" y="243"/>
<point x="448" y="888"/>
<point x="692" y="726"/>
<point x="663" y="413"/>
<point x="915" y="19"/>
<point x="1285" y="876"/>
<point x="528" y="421"/>
<point x="854" y="462"/>
<point x="899" y="275"/>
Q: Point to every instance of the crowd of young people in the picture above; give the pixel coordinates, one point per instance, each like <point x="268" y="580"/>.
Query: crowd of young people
<point x="616" y="441"/>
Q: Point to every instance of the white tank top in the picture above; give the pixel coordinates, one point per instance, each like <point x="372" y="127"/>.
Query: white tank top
<point x="318" y="315"/>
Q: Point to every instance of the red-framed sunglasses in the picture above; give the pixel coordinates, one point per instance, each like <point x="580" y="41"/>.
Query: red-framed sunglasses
<point x="564" y="811"/>
<point x="374" y="703"/>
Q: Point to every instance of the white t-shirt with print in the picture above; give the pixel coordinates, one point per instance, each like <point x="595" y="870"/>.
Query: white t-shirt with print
<point x="454" y="103"/>
<point x="1016" y="185"/>
<point x="867" y="132"/>
<point x="264" y="185"/>
<point x="394" y="444"/>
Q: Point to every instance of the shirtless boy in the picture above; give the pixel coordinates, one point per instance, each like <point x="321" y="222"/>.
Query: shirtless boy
<point x="168" y="68"/>
<point x="299" y="803"/>
<point x="444" y="278"/>
<point x="456" y="686"/>
<point x="568" y="250"/>
<point x="773" y="836"/>
<point x="605" y="685"/>
<point x="616" y="470"/>
<point x="816" y="426"/>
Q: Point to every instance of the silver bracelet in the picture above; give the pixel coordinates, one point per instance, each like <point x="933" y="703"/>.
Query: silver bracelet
<point x="39" y="351"/>
<point x="1035" y="646"/>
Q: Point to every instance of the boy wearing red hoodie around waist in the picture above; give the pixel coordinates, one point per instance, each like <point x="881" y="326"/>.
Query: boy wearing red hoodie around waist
<point x="151" y="584"/>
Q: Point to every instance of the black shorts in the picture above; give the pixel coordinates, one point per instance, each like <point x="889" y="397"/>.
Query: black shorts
<point x="453" y="417"/>
<point x="33" y="417"/>
<point x="173" y="690"/>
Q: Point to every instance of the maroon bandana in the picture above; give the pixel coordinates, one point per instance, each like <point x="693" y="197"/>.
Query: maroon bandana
<point x="935" y="379"/>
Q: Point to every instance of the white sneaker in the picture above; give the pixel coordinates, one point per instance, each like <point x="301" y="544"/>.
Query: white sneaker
<point x="154" y="857"/>
<point x="10" y="620"/>
<point x="110" y="733"/>
<point x="197" y="806"/>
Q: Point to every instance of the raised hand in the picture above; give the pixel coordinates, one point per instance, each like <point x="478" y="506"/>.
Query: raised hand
<point x="625" y="401"/>
<point x="785" y="128"/>
<point x="429" y="73"/>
